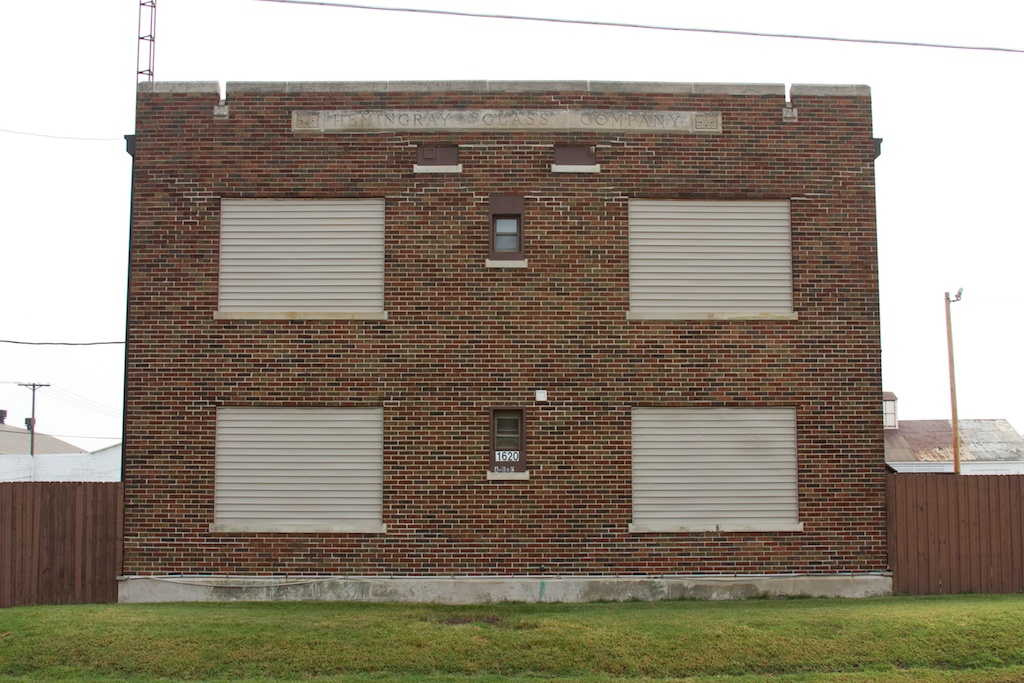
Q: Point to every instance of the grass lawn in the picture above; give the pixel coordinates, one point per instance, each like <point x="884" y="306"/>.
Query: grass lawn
<point x="967" y="639"/>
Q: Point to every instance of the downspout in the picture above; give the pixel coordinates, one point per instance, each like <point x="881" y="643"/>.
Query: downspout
<point x="130" y="148"/>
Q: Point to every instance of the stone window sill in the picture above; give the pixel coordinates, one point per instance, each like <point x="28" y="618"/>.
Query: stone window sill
<point x="417" y="168"/>
<point x="509" y="263"/>
<point x="574" y="168"/>
<point x="508" y="476"/>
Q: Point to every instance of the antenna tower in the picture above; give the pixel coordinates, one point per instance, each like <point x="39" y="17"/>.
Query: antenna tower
<point x="147" y="40"/>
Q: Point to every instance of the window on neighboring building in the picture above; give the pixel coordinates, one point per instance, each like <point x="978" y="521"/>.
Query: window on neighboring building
<point x="302" y="258"/>
<point x="889" y="411"/>
<point x="714" y="469"/>
<point x="508" y="437"/>
<point x="299" y="470"/>
<point x="507" y="234"/>
<point x="710" y="259"/>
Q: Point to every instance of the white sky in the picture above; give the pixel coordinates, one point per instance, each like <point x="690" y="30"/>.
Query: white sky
<point x="947" y="180"/>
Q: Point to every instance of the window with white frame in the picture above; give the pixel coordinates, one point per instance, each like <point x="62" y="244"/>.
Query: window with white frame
<point x="710" y="259"/>
<point x="889" y="419"/>
<point x="302" y="258"/>
<point x="299" y="470"/>
<point x="714" y="469"/>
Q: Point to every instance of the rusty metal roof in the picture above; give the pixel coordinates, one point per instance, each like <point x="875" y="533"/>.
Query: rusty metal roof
<point x="932" y="441"/>
<point x="16" y="441"/>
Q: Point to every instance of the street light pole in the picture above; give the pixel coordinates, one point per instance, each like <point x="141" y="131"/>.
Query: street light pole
<point x="952" y="382"/>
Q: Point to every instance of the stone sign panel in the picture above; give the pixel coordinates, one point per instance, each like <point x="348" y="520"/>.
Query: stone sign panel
<point x="609" y="120"/>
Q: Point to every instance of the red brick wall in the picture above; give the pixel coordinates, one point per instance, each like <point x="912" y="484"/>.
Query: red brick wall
<point x="461" y="339"/>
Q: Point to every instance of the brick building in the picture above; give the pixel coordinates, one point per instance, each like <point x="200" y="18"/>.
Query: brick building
<point x="506" y="330"/>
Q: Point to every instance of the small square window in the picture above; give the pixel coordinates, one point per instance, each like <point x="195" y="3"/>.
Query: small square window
<point x="508" y="437"/>
<point x="575" y="159"/>
<point x="507" y="235"/>
<point x="440" y="159"/>
<point x="437" y="156"/>
<point x="575" y="155"/>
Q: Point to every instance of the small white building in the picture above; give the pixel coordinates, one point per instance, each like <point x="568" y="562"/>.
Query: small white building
<point x="103" y="465"/>
<point x="54" y="460"/>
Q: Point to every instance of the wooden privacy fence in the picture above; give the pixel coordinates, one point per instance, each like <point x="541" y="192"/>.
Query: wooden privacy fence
<point x="60" y="542"/>
<point x="956" y="534"/>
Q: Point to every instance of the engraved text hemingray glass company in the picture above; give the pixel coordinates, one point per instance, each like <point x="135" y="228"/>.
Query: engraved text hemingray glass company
<point x="358" y="120"/>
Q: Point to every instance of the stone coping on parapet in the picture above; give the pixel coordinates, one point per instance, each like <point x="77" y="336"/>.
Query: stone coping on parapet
<point x="743" y="89"/>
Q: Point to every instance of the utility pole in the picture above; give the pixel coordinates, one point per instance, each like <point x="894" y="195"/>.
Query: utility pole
<point x="30" y="422"/>
<point x="952" y="381"/>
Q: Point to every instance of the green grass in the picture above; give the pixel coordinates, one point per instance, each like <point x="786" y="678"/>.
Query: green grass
<point x="951" y="639"/>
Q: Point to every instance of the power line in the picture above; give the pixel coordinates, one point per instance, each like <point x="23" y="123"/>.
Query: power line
<point x="648" y="27"/>
<point x="82" y="436"/>
<point x="70" y="395"/>
<point x="71" y="398"/>
<point x="59" y="137"/>
<point x="75" y="401"/>
<point x="28" y="343"/>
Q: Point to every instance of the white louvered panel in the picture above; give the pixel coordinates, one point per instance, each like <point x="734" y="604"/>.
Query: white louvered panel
<point x="709" y="257"/>
<point x="299" y="467"/>
<point x="302" y="255"/>
<point x="704" y="468"/>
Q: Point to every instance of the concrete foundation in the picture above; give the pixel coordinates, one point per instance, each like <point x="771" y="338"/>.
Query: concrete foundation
<point x="468" y="590"/>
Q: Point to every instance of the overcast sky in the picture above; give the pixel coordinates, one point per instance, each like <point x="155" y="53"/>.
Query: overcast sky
<point x="949" y="179"/>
